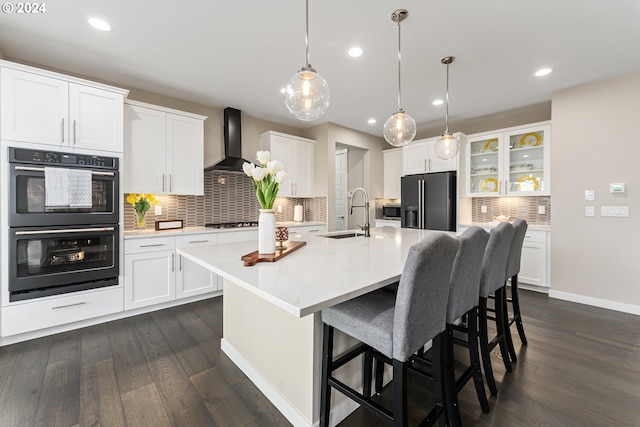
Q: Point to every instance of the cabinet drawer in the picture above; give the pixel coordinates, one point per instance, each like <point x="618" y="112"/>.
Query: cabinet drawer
<point x="196" y="240"/>
<point x="535" y="236"/>
<point x="31" y="316"/>
<point x="134" y="246"/>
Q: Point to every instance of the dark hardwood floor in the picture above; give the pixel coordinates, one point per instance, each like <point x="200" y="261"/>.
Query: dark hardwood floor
<point x="581" y="368"/>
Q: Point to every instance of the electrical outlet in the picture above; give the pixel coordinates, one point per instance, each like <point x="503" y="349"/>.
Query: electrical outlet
<point x="483" y="209"/>
<point x="279" y="208"/>
<point x="589" y="211"/>
<point x="158" y="210"/>
<point x="542" y="210"/>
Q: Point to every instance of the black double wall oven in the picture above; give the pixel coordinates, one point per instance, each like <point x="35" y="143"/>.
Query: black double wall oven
<point x="67" y="248"/>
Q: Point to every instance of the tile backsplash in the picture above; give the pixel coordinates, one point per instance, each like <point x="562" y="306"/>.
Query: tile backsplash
<point x="228" y="197"/>
<point x="515" y="207"/>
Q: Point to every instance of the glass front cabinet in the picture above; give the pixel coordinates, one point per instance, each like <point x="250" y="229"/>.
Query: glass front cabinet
<point x="509" y="162"/>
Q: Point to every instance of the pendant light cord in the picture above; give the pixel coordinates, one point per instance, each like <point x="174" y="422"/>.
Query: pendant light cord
<point x="307" y="34"/>
<point x="399" y="69"/>
<point x="446" y="110"/>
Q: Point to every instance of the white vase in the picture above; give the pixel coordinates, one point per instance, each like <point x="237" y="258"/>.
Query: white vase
<point x="266" y="232"/>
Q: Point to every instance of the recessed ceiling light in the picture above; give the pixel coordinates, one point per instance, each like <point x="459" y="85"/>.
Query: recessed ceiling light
<point x="438" y="102"/>
<point x="371" y="121"/>
<point x="99" y="24"/>
<point x="283" y="90"/>
<point x="355" y="52"/>
<point x="543" y="72"/>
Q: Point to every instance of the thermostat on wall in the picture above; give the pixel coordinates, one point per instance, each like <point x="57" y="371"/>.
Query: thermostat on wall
<point x="618" y="188"/>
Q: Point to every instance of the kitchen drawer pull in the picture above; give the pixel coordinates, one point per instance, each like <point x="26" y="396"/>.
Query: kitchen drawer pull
<point x="68" y="305"/>
<point x="65" y="230"/>
<point x="198" y="241"/>
<point x="313" y="231"/>
<point x="32" y="169"/>
<point x="152" y="245"/>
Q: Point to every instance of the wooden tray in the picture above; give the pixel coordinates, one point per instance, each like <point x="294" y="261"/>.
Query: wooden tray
<point x="254" y="257"/>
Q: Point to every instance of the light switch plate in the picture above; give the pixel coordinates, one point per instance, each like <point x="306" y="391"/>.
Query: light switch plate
<point x="542" y="210"/>
<point x="483" y="209"/>
<point x="158" y="210"/>
<point x="589" y="195"/>
<point x="589" y="211"/>
<point x="616" y="211"/>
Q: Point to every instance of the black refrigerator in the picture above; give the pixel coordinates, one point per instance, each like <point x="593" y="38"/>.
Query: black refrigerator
<point x="429" y="201"/>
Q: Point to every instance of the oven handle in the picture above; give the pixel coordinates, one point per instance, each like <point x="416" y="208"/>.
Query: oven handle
<point x="59" y="231"/>
<point x="32" y="169"/>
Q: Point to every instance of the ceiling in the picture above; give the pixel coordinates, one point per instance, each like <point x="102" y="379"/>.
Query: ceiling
<point x="240" y="53"/>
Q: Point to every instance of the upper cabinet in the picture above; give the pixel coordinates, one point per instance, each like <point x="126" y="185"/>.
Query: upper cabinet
<point x="392" y="172"/>
<point x="509" y="162"/>
<point x="420" y="157"/>
<point x="296" y="154"/>
<point x="49" y="108"/>
<point x="164" y="150"/>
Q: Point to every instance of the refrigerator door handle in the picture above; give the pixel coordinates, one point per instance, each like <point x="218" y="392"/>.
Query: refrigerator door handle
<point x="421" y="203"/>
<point x="423" y="207"/>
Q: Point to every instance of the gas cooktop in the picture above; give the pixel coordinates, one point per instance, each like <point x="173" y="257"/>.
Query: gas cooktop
<point x="242" y="224"/>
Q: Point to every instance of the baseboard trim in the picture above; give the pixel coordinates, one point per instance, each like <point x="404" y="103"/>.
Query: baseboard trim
<point x="338" y="413"/>
<point x="596" y="302"/>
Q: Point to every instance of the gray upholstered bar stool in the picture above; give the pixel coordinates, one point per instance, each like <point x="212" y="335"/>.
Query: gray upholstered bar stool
<point x="492" y="281"/>
<point x="463" y="302"/>
<point x="393" y="327"/>
<point x="513" y="268"/>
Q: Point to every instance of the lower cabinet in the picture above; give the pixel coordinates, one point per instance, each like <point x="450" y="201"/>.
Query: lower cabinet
<point x="387" y="223"/>
<point x="59" y="310"/>
<point x="149" y="271"/>
<point x="191" y="278"/>
<point x="534" y="262"/>
<point x="300" y="232"/>
<point x="155" y="273"/>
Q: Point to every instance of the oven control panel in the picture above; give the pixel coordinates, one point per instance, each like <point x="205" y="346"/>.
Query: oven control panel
<point x="38" y="157"/>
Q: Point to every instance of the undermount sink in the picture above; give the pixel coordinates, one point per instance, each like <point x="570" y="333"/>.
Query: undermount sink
<point x="342" y="235"/>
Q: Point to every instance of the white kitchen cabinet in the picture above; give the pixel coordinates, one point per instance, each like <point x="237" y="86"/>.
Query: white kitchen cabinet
<point x="149" y="271"/>
<point x="238" y="236"/>
<point x="392" y="172"/>
<point x="533" y="264"/>
<point x="509" y="162"/>
<point x="49" y="108"/>
<point x="191" y="278"/>
<point x="299" y="232"/>
<point x="535" y="260"/>
<point x="387" y="223"/>
<point x="164" y="150"/>
<point x="296" y="154"/>
<point x="155" y="273"/>
<point x="420" y="157"/>
<point x="48" y="312"/>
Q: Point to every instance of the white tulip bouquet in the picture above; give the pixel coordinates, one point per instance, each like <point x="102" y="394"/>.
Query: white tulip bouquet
<point x="265" y="178"/>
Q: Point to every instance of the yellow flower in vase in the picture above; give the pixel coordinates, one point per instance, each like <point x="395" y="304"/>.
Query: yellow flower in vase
<point x="141" y="204"/>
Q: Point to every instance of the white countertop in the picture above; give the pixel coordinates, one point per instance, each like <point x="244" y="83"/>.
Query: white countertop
<point x="494" y="223"/>
<point x="321" y="274"/>
<point x="151" y="232"/>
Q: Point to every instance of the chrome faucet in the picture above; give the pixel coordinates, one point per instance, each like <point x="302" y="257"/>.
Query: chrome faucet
<point x="366" y="227"/>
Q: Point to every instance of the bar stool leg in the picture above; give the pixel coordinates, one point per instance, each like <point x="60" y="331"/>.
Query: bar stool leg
<point x="325" y="389"/>
<point x="484" y="346"/>
<point x="501" y="324"/>
<point x="517" y="316"/>
<point x="452" y="410"/>
<point x="507" y="329"/>
<point x="474" y="357"/>
<point x="400" y="407"/>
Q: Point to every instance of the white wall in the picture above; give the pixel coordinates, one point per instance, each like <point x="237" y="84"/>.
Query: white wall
<point x="596" y="142"/>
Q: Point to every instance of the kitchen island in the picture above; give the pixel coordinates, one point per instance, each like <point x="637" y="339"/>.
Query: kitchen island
<point x="271" y="311"/>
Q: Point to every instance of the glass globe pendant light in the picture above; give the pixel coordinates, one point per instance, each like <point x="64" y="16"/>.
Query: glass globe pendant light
<point x="307" y="93"/>
<point x="447" y="145"/>
<point x="400" y="128"/>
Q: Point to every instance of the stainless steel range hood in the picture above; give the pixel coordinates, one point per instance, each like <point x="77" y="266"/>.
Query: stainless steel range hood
<point x="232" y="127"/>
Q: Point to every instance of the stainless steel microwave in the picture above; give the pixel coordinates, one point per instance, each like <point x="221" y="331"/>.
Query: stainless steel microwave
<point x="391" y="211"/>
